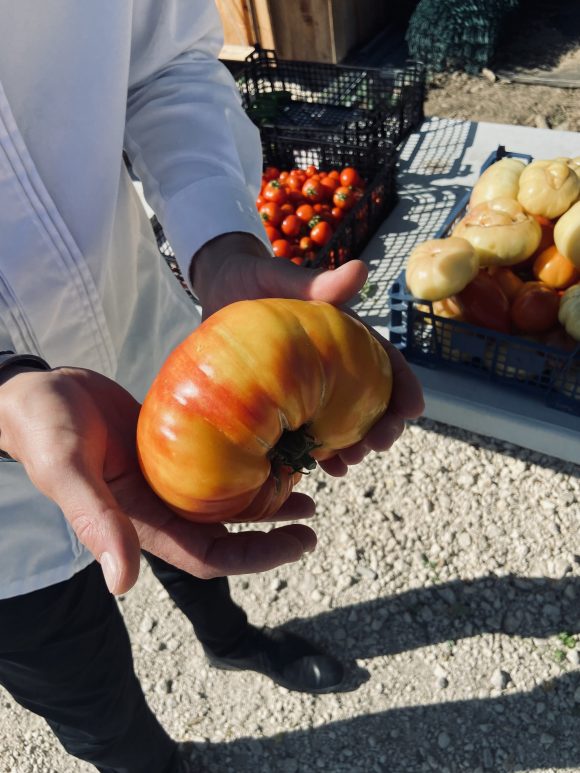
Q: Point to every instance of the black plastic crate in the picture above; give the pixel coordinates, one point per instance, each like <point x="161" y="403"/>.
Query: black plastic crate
<point x="335" y="103"/>
<point x="360" y="223"/>
<point x="432" y="341"/>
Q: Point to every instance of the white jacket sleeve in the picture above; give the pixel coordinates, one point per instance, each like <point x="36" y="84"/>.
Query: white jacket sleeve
<point x="196" y="152"/>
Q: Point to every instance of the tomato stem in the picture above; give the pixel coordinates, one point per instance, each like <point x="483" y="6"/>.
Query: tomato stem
<point x="293" y="450"/>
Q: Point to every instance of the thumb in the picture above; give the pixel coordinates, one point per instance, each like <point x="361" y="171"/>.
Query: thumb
<point x="100" y="525"/>
<point x="337" y="286"/>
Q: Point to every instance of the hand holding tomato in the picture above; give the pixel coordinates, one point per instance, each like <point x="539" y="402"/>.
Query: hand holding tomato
<point x="238" y="267"/>
<point x="74" y="432"/>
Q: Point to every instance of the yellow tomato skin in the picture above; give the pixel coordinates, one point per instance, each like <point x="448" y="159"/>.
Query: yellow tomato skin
<point x="572" y="163"/>
<point x="500" y="180"/>
<point x="500" y="232"/>
<point x="548" y="188"/>
<point x="567" y="234"/>
<point x="224" y="396"/>
<point x="555" y="270"/>
<point x="439" y="268"/>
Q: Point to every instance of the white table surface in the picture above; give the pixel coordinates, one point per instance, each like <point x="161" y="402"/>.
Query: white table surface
<point x="438" y="163"/>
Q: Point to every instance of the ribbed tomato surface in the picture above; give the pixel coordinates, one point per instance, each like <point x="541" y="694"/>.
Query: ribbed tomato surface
<point x="214" y="431"/>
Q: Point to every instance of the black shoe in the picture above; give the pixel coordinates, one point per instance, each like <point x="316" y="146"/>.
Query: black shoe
<point x="288" y="659"/>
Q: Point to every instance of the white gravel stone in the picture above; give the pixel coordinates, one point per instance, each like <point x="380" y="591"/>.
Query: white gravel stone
<point x="500" y="679"/>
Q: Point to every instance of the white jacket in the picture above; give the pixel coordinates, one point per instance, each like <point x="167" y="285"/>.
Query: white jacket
<point x="81" y="280"/>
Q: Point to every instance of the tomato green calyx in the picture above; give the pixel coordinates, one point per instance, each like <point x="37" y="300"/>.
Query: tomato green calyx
<point x="293" y="450"/>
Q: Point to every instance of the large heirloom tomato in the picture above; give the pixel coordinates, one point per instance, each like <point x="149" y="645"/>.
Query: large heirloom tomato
<point x="260" y="391"/>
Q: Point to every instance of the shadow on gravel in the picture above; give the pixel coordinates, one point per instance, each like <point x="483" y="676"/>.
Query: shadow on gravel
<point x="522" y="731"/>
<point x="500" y="446"/>
<point x="535" y="607"/>
<point x="517" y="731"/>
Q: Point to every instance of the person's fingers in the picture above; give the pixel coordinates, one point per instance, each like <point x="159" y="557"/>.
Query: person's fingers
<point x="334" y="466"/>
<point x="209" y="550"/>
<point x="338" y="286"/>
<point x="256" y="551"/>
<point x="407" y="398"/>
<point x="297" y="507"/>
<point x="283" y="279"/>
<point x="355" y="454"/>
<point x="384" y="433"/>
<point x="104" y="529"/>
<point x="72" y="477"/>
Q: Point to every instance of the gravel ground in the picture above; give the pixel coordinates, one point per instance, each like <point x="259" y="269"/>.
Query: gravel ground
<point x="446" y="577"/>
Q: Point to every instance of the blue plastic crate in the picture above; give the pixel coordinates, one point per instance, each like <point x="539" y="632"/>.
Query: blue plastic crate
<point x="436" y="342"/>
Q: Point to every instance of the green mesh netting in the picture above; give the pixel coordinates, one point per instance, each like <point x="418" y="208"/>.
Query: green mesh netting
<point x="458" y="34"/>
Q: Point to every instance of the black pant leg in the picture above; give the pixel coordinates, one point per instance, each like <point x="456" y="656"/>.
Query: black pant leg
<point x="65" y="655"/>
<point x="217" y="620"/>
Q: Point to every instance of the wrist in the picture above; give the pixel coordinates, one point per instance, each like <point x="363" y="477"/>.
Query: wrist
<point x="12" y="365"/>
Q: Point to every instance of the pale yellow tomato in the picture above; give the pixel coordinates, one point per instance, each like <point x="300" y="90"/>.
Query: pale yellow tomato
<point x="439" y="268"/>
<point x="501" y="233"/>
<point x="548" y="188"/>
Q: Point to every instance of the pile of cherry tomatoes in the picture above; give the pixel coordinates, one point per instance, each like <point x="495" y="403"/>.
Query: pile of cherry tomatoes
<point x="301" y="208"/>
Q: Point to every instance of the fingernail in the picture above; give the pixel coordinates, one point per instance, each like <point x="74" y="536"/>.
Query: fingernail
<point x="110" y="569"/>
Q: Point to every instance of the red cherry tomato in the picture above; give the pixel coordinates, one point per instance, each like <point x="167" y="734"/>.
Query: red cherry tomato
<point x="535" y="308"/>
<point x="484" y="303"/>
<point x="297" y="172"/>
<point x="271" y="214"/>
<point x="321" y="233"/>
<point x="271" y="173"/>
<point x="273" y="233"/>
<point x="343" y="198"/>
<point x="313" y="191"/>
<point x="291" y="225"/>
<point x="294" y="183"/>
<point x="349" y="177"/>
<point x="274" y="191"/>
<point x="305" y="212"/>
<point x="282" y="248"/>
<point x="306" y="244"/>
<point x="329" y="184"/>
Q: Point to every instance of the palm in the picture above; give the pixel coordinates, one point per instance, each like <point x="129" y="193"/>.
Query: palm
<point x="205" y="550"/>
